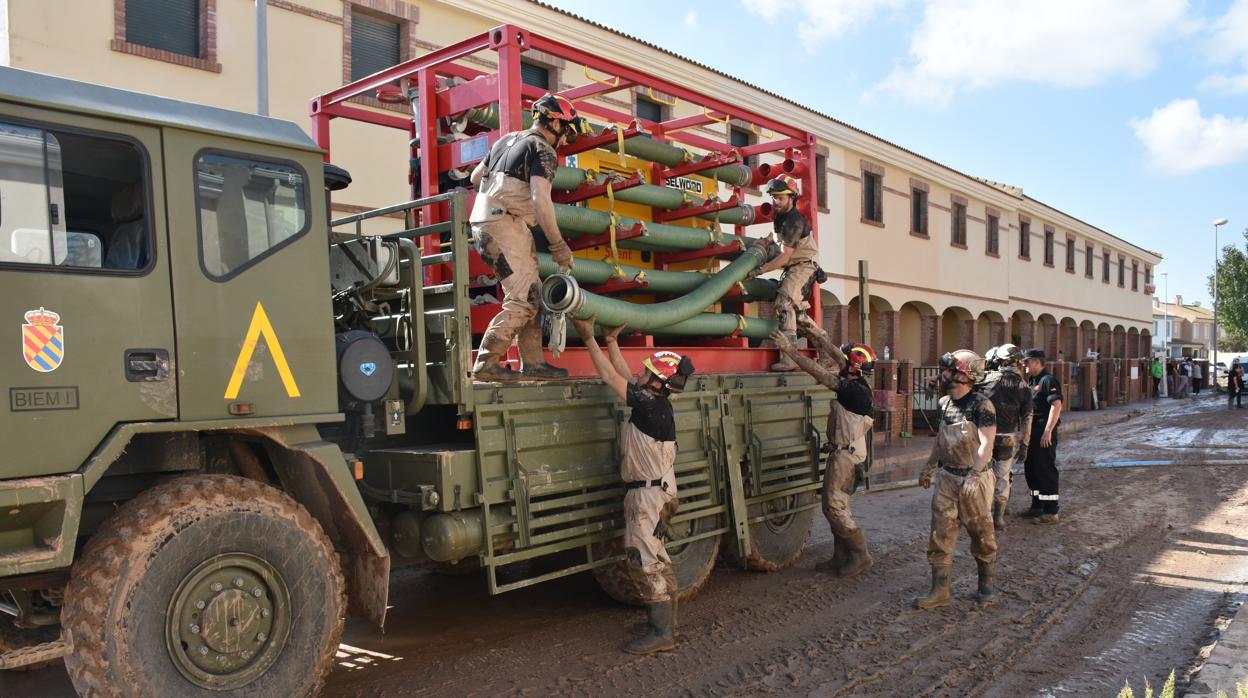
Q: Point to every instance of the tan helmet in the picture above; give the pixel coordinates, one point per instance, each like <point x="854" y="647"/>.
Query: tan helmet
<point x="965" y="362"/>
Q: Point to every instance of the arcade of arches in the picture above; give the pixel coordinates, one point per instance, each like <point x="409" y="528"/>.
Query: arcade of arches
<point x="916" y="332"/>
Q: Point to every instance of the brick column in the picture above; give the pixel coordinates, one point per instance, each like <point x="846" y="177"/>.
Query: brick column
<point x="932" y="338"/>
<point x="885" y="328"/>
<point x="1088" y="367"/>
<point x="836" y="322"/>
<point x="999" y="334"/>
<point x="1050" y="340"/>
<point x="968" y="332"/>
<point x="1027" y="334"/>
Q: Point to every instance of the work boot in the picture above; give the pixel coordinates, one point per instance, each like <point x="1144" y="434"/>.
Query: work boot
<point x="835" y="562"/>
<point x="1047" y="519"/>
<point x="998" y="514"/>
<point x="857" y="559"/>
<point x="533" y="366"/>
<point x="939" y="596"/>
<point x="658" y="637"/>
<point x="987" y="581"/>
<point x="1035" y="510"/>
<point x="488" y="367"/>
<point x="785" y="363"/>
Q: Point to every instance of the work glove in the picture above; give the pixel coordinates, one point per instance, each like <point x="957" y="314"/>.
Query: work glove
<point x="562" y="254"/>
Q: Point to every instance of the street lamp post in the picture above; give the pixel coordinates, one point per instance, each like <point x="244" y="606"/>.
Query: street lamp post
<point x="1214" y="367"/>
<point x="1165" y="342"/>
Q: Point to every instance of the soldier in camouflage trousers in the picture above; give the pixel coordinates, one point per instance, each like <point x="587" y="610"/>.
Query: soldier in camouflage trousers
<point x="1011" y="397"/>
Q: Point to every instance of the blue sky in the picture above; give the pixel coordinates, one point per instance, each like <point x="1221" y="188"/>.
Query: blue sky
<point x="1128" y="114"/>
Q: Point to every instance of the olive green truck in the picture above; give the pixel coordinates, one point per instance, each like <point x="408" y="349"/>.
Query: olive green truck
<point x="225" y="423"/>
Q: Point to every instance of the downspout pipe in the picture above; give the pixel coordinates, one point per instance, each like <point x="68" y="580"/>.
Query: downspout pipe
<point x="562" y="294"/>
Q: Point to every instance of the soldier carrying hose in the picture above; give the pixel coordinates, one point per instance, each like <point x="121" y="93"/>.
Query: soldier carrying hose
<point x="798" y="258"/>
<point x="648" y="468"/>
<point x="1011" y="398"/>
<point x="849" y="426"/>
<point x="965" y="481"/>
<point x="515" y="180"/>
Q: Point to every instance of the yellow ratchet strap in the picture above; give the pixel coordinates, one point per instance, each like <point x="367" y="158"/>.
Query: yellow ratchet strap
<point x="613" y="255"/>
<point x="619" y="144"/>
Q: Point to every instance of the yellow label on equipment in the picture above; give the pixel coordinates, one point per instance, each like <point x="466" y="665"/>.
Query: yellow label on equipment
<point x="260" y="326"/>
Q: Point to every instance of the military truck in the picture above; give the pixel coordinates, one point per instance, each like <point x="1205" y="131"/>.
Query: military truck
<point x="226" y="423"/>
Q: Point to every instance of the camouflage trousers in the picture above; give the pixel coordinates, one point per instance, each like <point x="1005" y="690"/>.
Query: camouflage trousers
<point x="838" y="485"/>
<point x="791" y="296"/>
<point x="507" y="246"/>
<point x="965" y="501"/>
<point x="1004" y="451"/>
<point x="644" y="509"/>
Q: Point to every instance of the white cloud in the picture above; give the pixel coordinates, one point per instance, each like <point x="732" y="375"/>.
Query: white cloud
<point x="1179" y="140"/>
<point x="691" y="19"/>
<point x="1229" y="44"/>
<point x="819" y="20"/>
<point x="966" y="45"/>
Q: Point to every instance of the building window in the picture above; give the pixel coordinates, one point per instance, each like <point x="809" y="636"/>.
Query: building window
<point x="1070" y="254"/>
<point x="1122" y="271"/>
<point x="177" y="31"/>
<point x="918" y="212"/>
<point x="648" y="109"/>
<point x="741" y="138"/>
<point x="993" y="227"/>
<point x="1148" y="275"/>
<point x="872" y="198"/>
<point x="375" y="45"/>
<point x="1087" y="260"/>
<point x="1105" y="266"/>
<point x="535" y="75"/>
<point x="957" y="231"/>
<point x="1048" y="246"/>
<point x="821" y="182"/>
<point x="1135" y="275"/>
<point x="1024" y="239"/>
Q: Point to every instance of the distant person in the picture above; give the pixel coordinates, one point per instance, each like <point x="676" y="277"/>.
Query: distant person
<point x="1158" y="374"/>
<point x="1235" y="385"/>
<point x="1182" y="379"/>
<point x="1046" y="413"/>
<point x="1197" y="374"/>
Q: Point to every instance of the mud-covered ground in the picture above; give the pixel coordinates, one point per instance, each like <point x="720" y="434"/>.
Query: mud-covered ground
<point x="1149" y="559"/>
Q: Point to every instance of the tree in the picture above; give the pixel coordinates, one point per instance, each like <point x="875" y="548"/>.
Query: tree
<point x="1233" y="291"/>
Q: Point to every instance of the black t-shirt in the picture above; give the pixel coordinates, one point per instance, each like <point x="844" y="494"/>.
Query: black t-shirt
<point x="972" y="407"/>
<point x="652" y="414"/>
<point x="522" y="155"/>
<point x="1045" y="390"/>
<point x="791" y="226"/>
<point x="1011" y="398"/>
<point x="855" y="395"/>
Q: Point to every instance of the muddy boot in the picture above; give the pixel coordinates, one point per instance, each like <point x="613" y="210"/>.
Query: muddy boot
<point x="987" y="581"/>
<point x="785" y="363"/>
<point x="1047" y="519"/>
<point x="835" y="562"/>
<point x="533" y="366"/>
<point x="488" y="367"/>
<point x="659" y="638"/>
<point x="939" y="596"/>
<point x="1035" y="510"/>
<point x="998" y="515"/>
<point x="857" y="559"/>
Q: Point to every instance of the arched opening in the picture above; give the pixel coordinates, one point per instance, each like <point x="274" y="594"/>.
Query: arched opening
<point x="1087" y="333"/>
<point x="1023" y="329"/>
<point x="1046" y="337"/>
<point x="917" y="338"/>
<point x="1133" y="343"/>
<point x="1103" y="337"/>
<point x="1068" y="340"/>
<point x="957" y="329"/>
<point x="1119" y="350"/>
<point x="990" y="331"/>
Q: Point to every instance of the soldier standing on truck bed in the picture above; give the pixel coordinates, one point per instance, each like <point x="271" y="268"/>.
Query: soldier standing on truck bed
<point x="514" y="181"/>
<point x="1011" y="398"/>
<point x="798" y="255"/>
<point x="849" y="424"/>
<point x="648" y="468"/>
<point x="964" y="484"/>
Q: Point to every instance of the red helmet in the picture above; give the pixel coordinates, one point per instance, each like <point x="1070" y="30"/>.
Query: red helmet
<point x="671" y="369"/>
<point x="859" y="356"/>
<point x="555" y="108"/>
<point x="784" y="184"/>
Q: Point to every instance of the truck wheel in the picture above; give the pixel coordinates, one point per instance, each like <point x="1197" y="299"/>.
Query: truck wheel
<point x="776" y="542"/>
<point x="204" y="584"/>
<point x="691" y="563"/>
<point x="13" y="637"/>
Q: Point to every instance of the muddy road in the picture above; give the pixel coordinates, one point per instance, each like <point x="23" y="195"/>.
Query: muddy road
<point x="1150" y="558"/>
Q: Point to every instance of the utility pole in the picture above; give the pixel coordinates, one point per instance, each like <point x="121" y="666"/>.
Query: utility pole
<point x="262" y="58"/>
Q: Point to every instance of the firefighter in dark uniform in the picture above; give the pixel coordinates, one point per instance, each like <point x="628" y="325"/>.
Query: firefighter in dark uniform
<point x="648" y="468"/>
<point x="514" y="194"/>
<point x="1041" y="464"/>
<point x="849" y="427"/>
<point x="1011" y="397"/>
<point x="798" y="258"/>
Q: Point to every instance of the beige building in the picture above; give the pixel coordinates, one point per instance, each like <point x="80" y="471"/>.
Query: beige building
<point x="954" y="260"/>
<point x="1190" y="331"/>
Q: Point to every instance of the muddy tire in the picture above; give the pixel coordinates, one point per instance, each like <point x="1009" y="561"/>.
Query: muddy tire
<point x="203" y="585"/>
<point x="692" y="564"/>
<point x="777" y="542"/>
<point x="13" y="637"/>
